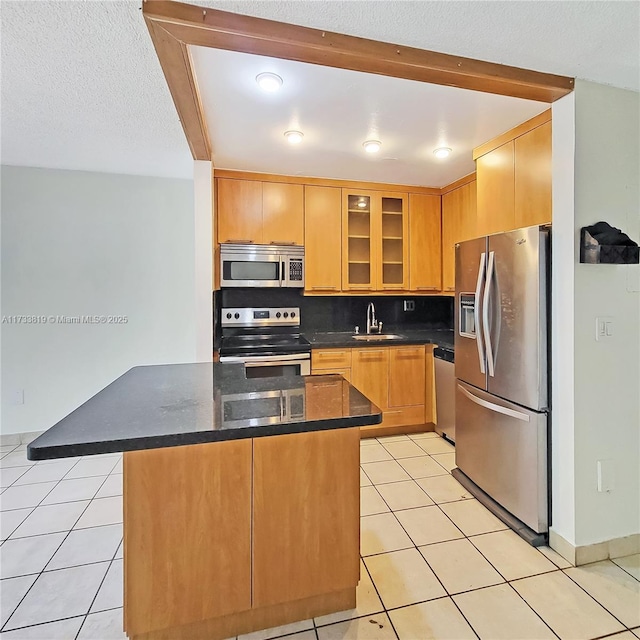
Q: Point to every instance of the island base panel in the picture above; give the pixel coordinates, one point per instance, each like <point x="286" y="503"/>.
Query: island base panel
<point x="255" y="619"/>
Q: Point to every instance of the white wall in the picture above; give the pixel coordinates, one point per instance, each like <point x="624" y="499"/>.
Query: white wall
<point x="600" y="420"/>
<point x="79" y="243"/>
<point x="203" y="246"/>
<point x="607" y="374"/>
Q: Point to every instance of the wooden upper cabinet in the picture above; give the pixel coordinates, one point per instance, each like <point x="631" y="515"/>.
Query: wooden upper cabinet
<point x="406" y="376"/>
<point x="458" y="225"/>
<point x="533" y="177"/>
<point x="496" y="190"/>
<point x="360" y="220"/>
<point x="425" y="269"/>
<point x="239" y="211"/>
<point x="370" y="374"/>
<point x="393" y="243"/>
<point x="323" y="239"/>
<point x="282" y="213"/>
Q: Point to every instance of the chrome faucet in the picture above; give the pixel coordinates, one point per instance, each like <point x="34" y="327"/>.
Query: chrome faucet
<point x="372" y="323"/>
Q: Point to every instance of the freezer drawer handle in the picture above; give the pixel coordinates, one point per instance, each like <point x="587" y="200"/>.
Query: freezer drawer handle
<point x="485" y="315"/>
<point x="518" y="415"/>
<point x="476" y="311"/>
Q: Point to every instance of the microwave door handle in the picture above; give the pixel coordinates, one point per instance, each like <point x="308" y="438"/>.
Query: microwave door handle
<point x="476" y="311"/>
<point x="485" y="314"/>
<point x="283" y="275"/>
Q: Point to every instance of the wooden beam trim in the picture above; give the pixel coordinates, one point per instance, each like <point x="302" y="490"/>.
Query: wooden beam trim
<point x="175" y="61"/>
<point x="458" y="183"/>
<point x="235" y="32"/>
<point x="233" y="174"/>
<point x="512" y="134"/>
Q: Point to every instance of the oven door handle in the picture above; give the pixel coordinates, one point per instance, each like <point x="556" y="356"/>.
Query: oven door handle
<point x="261" y="361"/>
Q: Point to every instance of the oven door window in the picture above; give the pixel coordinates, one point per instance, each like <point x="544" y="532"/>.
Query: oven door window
<point x="240" y="270"/>
<point x="259" y="410"/>
<point x="272" y="371"/>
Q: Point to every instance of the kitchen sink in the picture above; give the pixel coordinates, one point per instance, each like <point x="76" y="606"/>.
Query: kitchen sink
<point x="370" y="337"/>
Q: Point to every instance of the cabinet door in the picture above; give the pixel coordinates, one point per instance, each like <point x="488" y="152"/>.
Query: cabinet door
<point x="496" y="190"/>
<point x="370" y="374"/>
<point x="406" y="376"/>
<point x="533" y="177"/>
<point x="452" y="204"/>
<point x="187" y="534"/>
<point x="430" y="385"/>
<point x="323" y="239"/>
<point x="393" y="243"/>
<point x="425" y="243"/>
<point x="360" y="216"/>
<point x="306" y="515"/>
<point x="282" y="213"/>
<point x="239" y="211"/>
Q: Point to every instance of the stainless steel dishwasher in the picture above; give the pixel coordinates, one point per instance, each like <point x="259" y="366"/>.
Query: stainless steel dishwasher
<point x="445" y="392"/>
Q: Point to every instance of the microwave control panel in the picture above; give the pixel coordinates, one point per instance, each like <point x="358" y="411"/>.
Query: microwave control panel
<point x="295" y="270"/>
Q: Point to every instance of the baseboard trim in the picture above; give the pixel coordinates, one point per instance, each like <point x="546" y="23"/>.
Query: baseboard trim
<point x="586" y="554"/>
<point x="16" y="439"/>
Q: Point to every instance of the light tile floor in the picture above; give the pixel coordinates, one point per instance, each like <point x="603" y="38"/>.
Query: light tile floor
<point x="436" y="563"/>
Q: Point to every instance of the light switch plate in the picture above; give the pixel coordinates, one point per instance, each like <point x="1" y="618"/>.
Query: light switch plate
<point x="604" y="328"/>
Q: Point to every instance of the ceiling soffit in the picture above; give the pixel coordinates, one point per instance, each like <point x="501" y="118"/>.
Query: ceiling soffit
<point x="173" y="26"/>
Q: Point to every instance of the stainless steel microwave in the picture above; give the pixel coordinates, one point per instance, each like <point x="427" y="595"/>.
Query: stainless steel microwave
<point x="256" y="265"/>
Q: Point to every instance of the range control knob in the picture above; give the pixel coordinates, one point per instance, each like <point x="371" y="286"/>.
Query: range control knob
<point x="278" y="314"/>
<point x="228" y="316"/>
<point x="293" y="314"/>
<point x="286" y="315"/>
<point x="236" y="316"/>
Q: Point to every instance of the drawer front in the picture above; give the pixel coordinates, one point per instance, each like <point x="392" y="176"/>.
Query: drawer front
<point x="404" y="416"/>
<point x="345" y="373"/>
<point x="330" y="359"/>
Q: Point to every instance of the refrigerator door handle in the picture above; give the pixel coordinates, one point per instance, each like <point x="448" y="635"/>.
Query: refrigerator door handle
<point x="476" y="311"/>
<point x="518" y="415"/>
<point x="485" y="314"/>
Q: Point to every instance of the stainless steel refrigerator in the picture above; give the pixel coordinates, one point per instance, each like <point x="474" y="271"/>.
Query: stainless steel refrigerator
<point x="501" y="365"/>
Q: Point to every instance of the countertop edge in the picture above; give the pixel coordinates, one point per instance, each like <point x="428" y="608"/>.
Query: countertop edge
<point x="204" y="437"/>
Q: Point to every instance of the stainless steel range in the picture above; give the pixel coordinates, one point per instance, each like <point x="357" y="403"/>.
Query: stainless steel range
<point x="266" y="340"/>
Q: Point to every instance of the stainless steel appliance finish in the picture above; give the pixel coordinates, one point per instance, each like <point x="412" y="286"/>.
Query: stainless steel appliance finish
<point x="445" y="393"/>
<point x="266" y="340"/>
<point x="267" y="407"/>
<point x="501" y="347"/>
<point x="253" y="265"/>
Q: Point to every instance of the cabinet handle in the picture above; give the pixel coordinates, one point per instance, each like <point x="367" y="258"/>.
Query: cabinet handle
<point x="283" y="242"/>
<point x="427" y="288"/>
<point x="388" y="412"/>
<point x="369" y="352"/>
<point x="241" y="241"/>
<point x="335" y="354"/>
<point x="322" y="288"/>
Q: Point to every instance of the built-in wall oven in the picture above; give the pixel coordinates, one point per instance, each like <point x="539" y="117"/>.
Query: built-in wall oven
<point x="253" y="265"/>
<point x="266" y="340"/>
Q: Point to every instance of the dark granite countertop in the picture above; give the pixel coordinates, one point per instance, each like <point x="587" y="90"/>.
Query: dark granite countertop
<point x="170" y="405"/>
<point x="328" y="340"/>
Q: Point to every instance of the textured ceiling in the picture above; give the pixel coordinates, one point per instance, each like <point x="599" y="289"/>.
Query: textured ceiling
<point x="337" y="110"/>
<point x="82" y="87"/>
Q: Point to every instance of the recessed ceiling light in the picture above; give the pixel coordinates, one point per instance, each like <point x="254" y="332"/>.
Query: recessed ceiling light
<point x="372" y="146"/>
<point x="294" y="137"/>
<point x="269" y="82"/>
<point x="442" y="152"/>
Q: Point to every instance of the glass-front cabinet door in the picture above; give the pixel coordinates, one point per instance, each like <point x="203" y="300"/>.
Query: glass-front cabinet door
<point x="358" y="224"/>
<point x="394" y="241"/>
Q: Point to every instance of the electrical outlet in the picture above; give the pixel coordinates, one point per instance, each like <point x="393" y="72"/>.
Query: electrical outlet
<point x="18" y="396"/>
<point x="604" y="328"/>
<point x="409" y="305"/>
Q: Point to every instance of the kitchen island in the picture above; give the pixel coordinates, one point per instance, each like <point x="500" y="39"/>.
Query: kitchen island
<point x="241" y="496"/>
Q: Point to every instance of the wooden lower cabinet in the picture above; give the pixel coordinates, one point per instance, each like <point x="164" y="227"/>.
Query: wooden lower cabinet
<point x="227" y="538"/>
<point x="398" y="379"/>
<point x="305" y="515"/>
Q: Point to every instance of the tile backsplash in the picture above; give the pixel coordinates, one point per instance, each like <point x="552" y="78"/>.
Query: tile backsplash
<point x="343" y="313"/>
